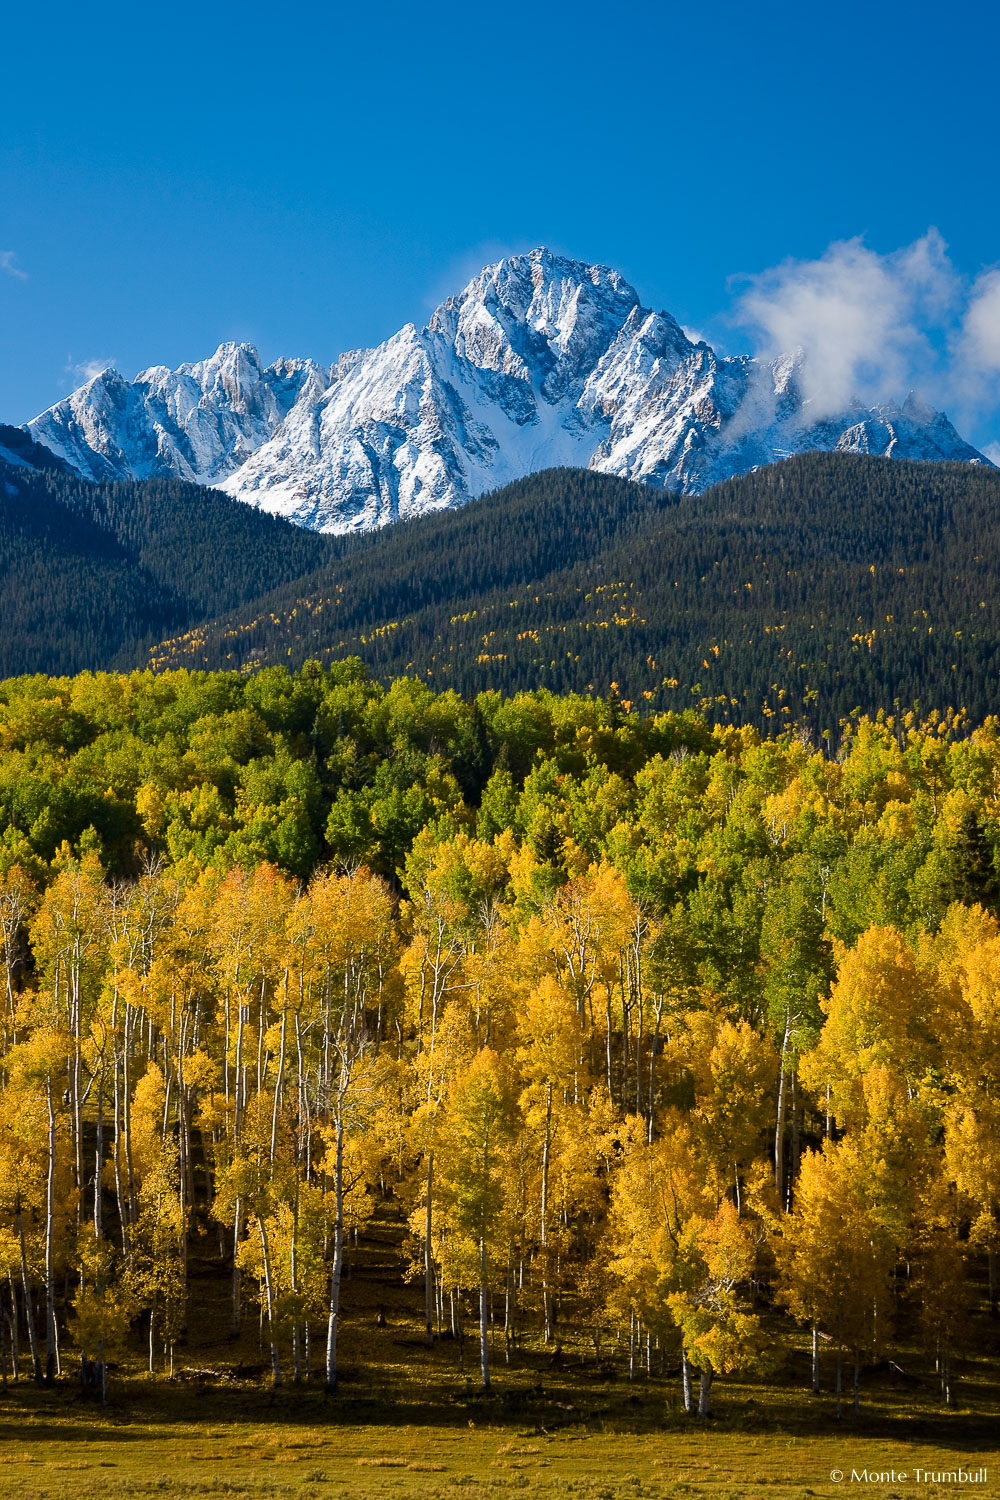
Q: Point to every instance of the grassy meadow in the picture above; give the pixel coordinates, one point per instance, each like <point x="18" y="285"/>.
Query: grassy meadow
<point x="410" y="1421"/>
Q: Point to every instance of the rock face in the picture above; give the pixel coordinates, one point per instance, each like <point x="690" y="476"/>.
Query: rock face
<point x="199" y="423"/>
<point x="19" y="451"/>
<point x="539" y="361"/>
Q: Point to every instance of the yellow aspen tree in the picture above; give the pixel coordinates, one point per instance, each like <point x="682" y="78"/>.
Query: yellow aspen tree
<point x="100" y="1312"/>
<point x="67" y="938"/>
<point x="972" y="1108"/>
<point x="657" y="1189"/>
<point x="879" y="1014"/>
<point x="18" y="900"/>
<point x="37" y="1069"/>
<point x="154" y="1270"/>
<point x="835" y="1256"/>
<point x="246" y="941"/>
<point x="734" y="1070"/>
<point x="717" y="1260"/>
<point x="357" y="976"/>
<point x="940" y="1278"/>
<point x="479" y="1125"/>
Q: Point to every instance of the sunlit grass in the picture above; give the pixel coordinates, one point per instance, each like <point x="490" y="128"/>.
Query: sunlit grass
<point x="408" y="1422"/>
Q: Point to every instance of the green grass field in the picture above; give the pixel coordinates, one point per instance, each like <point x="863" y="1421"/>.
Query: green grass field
<point x="408" y="1422"/>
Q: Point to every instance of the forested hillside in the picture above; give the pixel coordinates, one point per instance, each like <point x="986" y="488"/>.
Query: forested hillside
<point x="91" y="574"/>
<point x="823" y="585"/>
<point x="812" y="589"/>
<point x="667" y="1032"/>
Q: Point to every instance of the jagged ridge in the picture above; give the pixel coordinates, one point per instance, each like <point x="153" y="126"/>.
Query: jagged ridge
<point x="540" y="361"/>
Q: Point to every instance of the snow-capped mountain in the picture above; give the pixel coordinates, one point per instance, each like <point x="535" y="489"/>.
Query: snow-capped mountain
<point x="200" y="422"/>
<point x="539" y="361"/>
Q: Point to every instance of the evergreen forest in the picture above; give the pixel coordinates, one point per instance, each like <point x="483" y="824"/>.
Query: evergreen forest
<point x="672" y="1035"/>
<point x="826" y="585"/>
<point x="821" y="587"/>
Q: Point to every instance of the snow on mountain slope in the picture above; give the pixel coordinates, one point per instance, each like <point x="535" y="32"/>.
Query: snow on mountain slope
<point x="199" y="422"/>
<point x="539" y="361"/>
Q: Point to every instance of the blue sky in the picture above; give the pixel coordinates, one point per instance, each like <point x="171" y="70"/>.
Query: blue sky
<point x="313" y="176"/>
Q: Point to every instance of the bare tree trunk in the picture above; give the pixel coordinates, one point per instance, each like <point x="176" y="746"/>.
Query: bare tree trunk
<point x="815" y="1361"/>
<point x="705" y="1390"/>
<point x="686" y="1381"/>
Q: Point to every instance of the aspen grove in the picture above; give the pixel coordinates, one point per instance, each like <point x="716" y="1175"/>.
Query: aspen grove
<point x="668" y="1032"/>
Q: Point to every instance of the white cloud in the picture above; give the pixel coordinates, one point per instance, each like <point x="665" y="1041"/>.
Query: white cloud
<point x="978" y="344"/>
<point x="860" y="319"/>
<point x="87" y="369"/>
<point x="992" y="452"/>
<point x="7" y="259"/>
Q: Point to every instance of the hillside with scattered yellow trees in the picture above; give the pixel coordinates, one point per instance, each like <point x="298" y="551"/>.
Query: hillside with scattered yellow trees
<point x="667" y="1035"/>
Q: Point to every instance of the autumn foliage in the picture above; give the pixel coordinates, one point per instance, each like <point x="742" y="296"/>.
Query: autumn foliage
<point x="674" y="1034"/>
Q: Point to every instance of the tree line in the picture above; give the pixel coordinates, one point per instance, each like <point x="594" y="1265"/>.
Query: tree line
<point x="649" y="1027"/>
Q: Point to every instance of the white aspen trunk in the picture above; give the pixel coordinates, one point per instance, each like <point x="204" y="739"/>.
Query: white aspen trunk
<point x="793" y="1174"/>
<point x="484" y="1344"/>
<point x="608" y="1020"/>
<point x="429" y="1259"/>
<point x="99" y="1154"/>
<point x="296" y="1326"/>
<point x="658" y="1014"/>
<point x="237" y="1319"/>
<point x="779" y="1134"/>
<point x="29" y="1311"/>
<point x="277" y="1087"/>
<point x="779" y="1130"/>
<point x="546" y="1293"/>
<point x="815" y="1361"/>
<point x="127" y="1114"/>
<point x="335" y="1270"/>
<point x="705" y="1390"/>
<point x="686" y="1381"/>
<point x="116" y="1150"/>
<point x="265" y="1251"/>
<point x="14" y="1350"/>
<point x="51" y="1354"/>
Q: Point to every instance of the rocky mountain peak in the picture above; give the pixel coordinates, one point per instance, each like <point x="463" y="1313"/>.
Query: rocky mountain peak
<point x="539" y="360"/>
